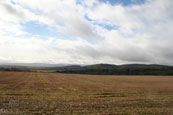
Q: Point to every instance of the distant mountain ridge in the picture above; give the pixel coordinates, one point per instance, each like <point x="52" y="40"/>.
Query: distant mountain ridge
<point x="126" y="69"/>
<point x="100" y="69"/>
<point x="33" y="64"/>
<point x="112" y="66"/>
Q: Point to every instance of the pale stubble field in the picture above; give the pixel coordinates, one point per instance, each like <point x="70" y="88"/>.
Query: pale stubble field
<point x="55" y="93"/>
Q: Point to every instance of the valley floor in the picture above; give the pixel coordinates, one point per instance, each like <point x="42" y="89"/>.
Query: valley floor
<point x="53" y="93"/>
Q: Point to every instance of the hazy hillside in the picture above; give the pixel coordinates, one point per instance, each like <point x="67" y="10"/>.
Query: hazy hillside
<point x="128" y="69"/>
<point x="14" y="68"/>
<point x="33" y="64"/>
<point x="105" y="69"/>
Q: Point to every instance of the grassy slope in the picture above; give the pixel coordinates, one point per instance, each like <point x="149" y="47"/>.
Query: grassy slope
<point x="51" y="93"/>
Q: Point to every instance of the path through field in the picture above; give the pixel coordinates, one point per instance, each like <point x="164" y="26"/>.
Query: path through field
<point x="53" y="93"/>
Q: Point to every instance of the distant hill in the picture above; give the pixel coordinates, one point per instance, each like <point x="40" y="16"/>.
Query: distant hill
<point x="128" y="69"/>
<point x="100" y="69"/>
<point x="101" y="66"/>
<point x="33" y="64"/>
<point x="29" y="66"/>
<point x="13" y="68"/>
<point x="143" y="66"/>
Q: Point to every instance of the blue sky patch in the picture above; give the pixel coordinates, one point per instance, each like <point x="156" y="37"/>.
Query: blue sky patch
<point x="37" y="29"/>
<point x="106" y="26"/>
<point x="12" y="2"/>
<point x="44" y="31"/>
<point x="109" y="27"/>
<point x="124" y="2"/>
<point x="86" y="17"/>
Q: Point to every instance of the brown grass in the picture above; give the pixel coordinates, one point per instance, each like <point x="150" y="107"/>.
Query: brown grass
<point x="52" y="93"/>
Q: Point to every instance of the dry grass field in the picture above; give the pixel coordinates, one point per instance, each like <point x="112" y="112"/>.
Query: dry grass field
<point x="53" y="93"/>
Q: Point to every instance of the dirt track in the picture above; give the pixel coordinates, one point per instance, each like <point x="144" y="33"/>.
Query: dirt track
<point x="53" y="93"/>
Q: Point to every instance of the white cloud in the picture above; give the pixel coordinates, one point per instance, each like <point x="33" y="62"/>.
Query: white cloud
<point x="143" y="33"/>
<point x="11" y="16"/>
<point x="67" y="13"/>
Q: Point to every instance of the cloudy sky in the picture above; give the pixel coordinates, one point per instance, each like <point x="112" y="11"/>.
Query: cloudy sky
<point x="86" y="31"/>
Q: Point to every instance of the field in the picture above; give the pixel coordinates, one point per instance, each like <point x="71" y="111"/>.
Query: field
<point x="53" y="93"/>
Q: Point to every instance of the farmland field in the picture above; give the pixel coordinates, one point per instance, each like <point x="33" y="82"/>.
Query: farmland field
<point x="54" y="93"/>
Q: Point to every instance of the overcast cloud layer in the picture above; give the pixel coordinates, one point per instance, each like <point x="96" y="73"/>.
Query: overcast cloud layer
<point x="86" y="32"/>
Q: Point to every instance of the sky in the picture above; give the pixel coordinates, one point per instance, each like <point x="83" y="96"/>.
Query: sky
<point x="86" y="31"/>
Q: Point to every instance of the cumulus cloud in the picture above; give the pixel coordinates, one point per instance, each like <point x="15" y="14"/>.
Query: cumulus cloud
<point x="11" y="16"/>
<point x="63" y="12"/>
<point x="89" y="31"/>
